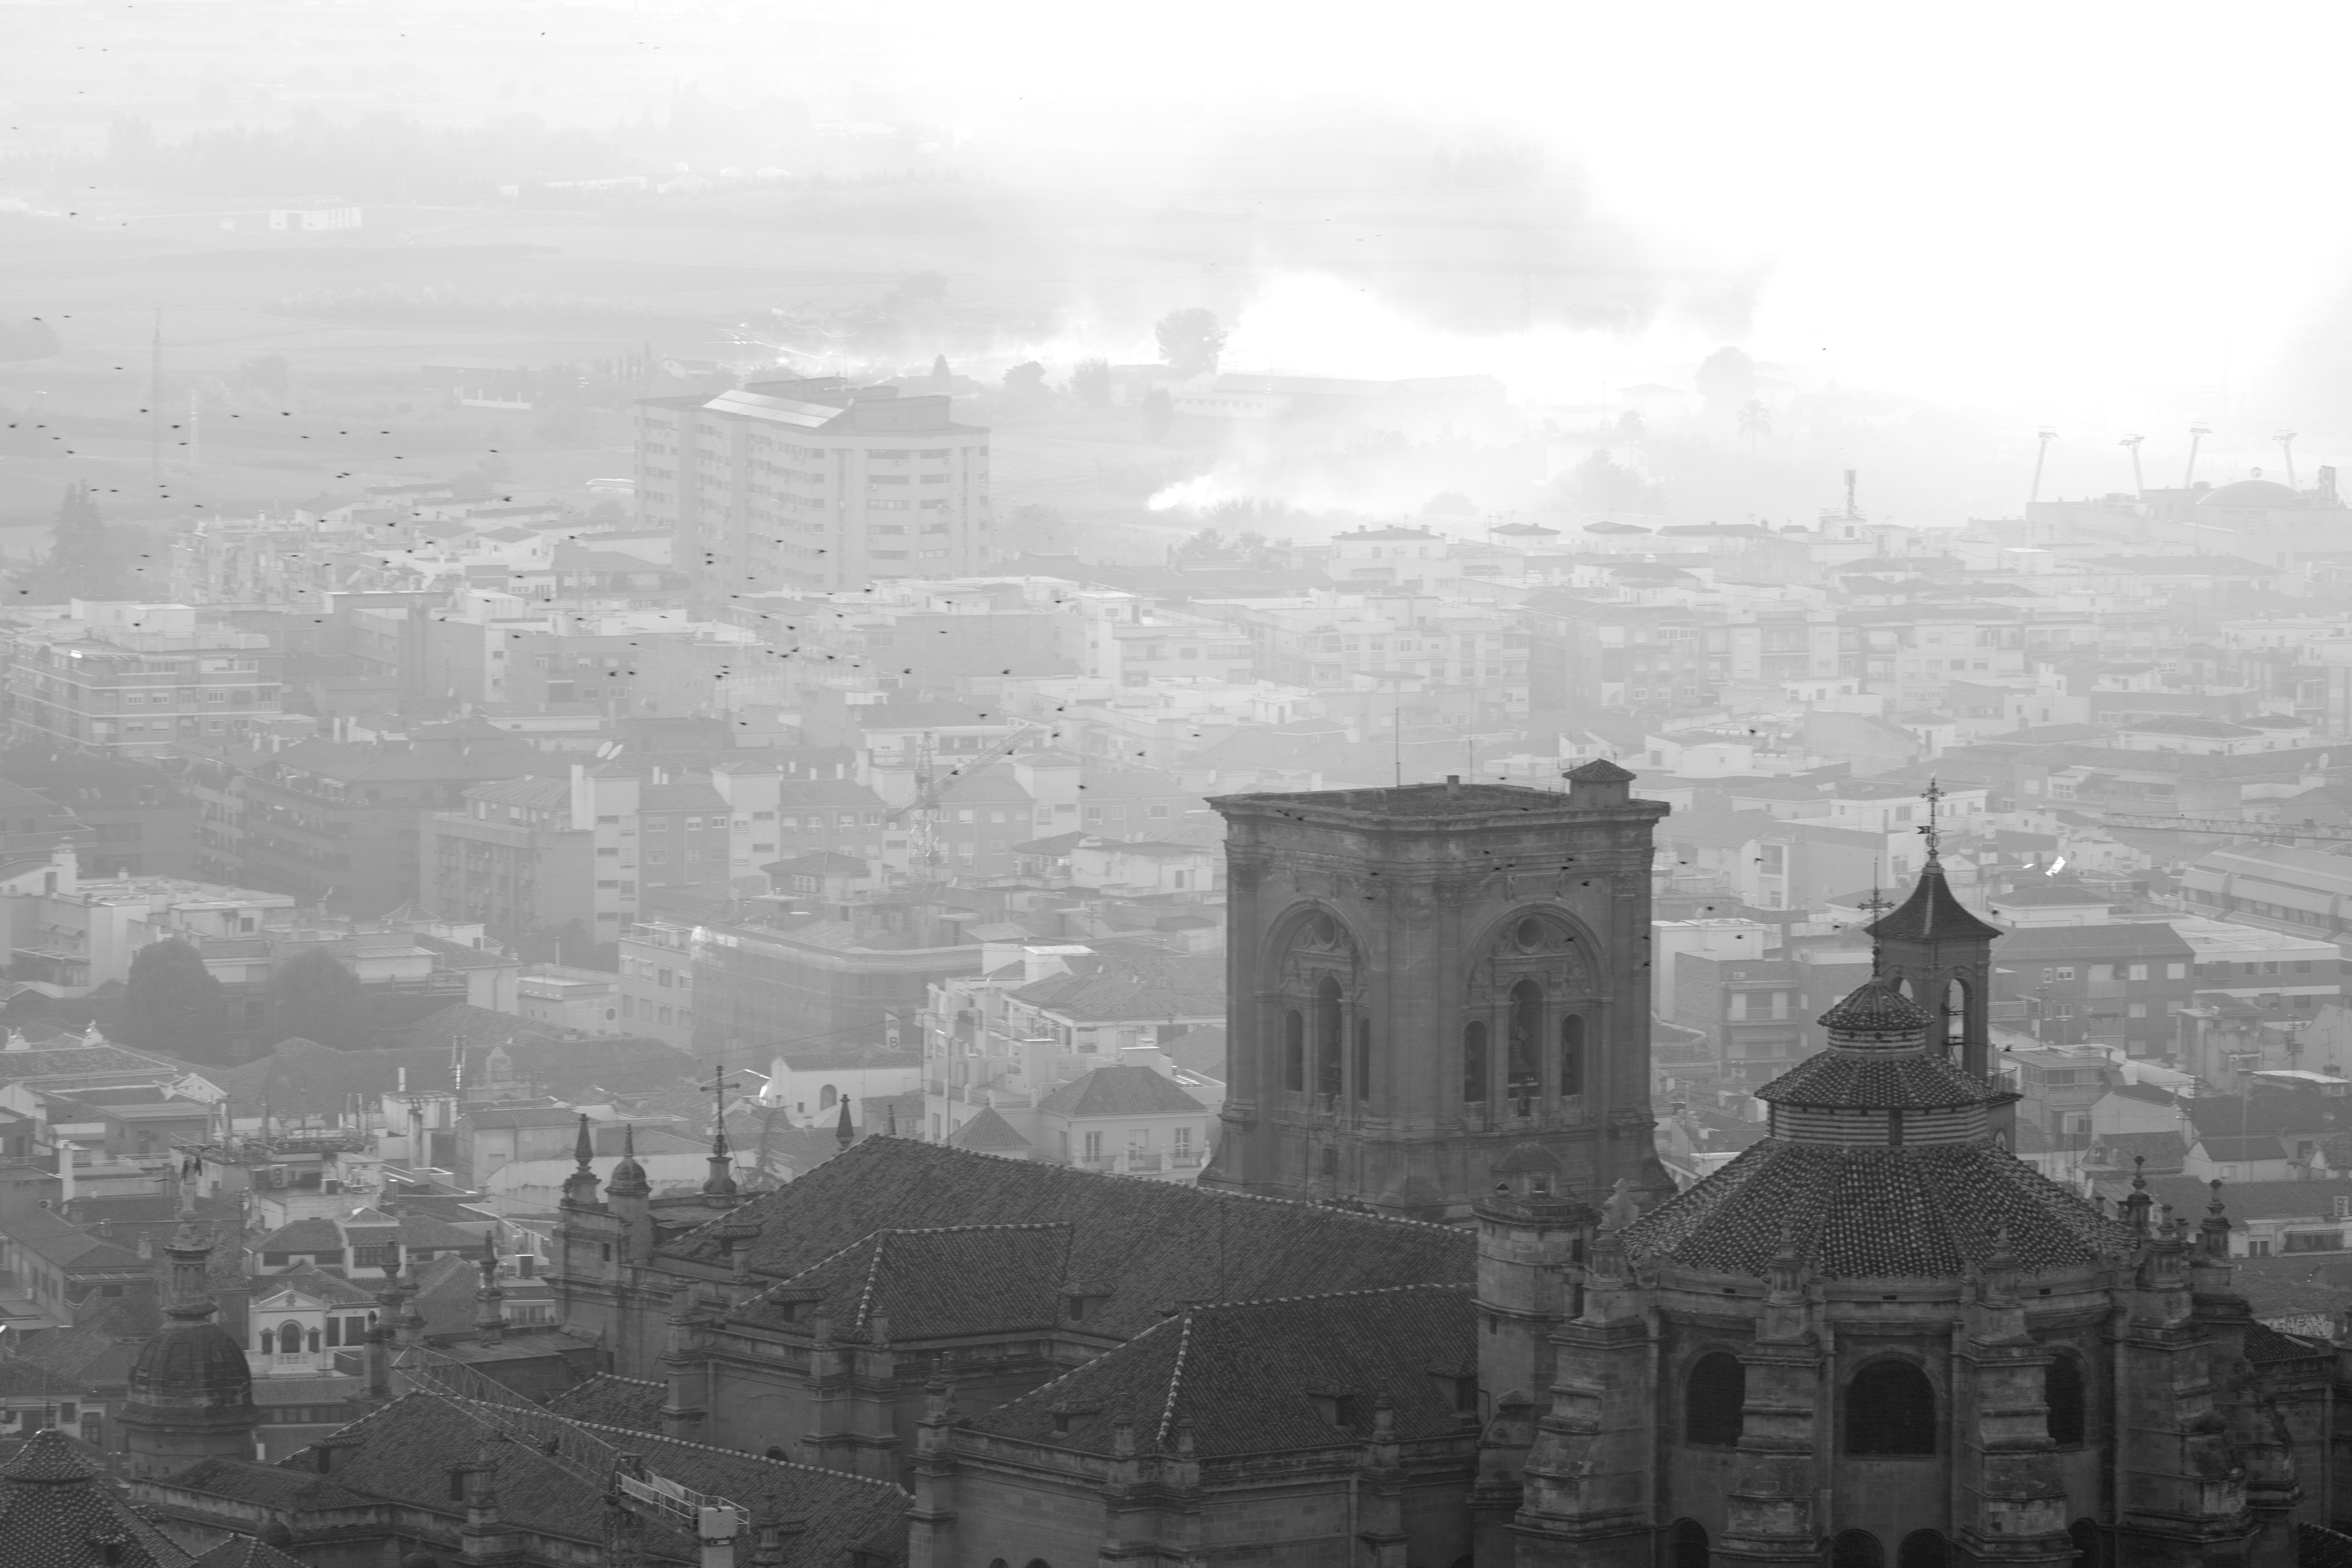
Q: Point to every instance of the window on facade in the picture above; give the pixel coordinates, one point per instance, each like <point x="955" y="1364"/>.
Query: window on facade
<point x="1294" y="1050"/>
<point x="1363" y="1058"/>
<point x="1473" y="1062"/>
<point x="1572" y="1055"/>
<point x="1527" y="1026"/>
<point x="1856" y="1549"/>
<point x="1687" y="1544"/>
<point x="1890" y="1409"/>
<point x="1923" y="1549"/>
<point x="2090" y="1550"/>
<point x="1712" y="1399"/>
<point x="2062" y="1391"/>
<point x="1327" y="1027"/>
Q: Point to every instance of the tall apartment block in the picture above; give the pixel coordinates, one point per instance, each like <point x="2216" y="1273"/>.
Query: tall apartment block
<point x="813" y="483"/>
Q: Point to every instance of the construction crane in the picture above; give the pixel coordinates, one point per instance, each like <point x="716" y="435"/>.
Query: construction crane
<point x="2046" y="435"/>
<point x="930" y="791"/>
<point x="637" y="1497"/>
<point x="2196" y="434"/>
<point x="2285" y="438"/>
<point x="2131" y="443"/>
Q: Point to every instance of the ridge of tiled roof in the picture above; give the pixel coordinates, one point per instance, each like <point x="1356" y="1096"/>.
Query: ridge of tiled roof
<point x="1150" y="1242"/>
<point x="1858" y="1212"/>
<point x="1249" y="1377"/>
<point x="409" y="1444"/>
<point x="609" y="1400"/>
<point x="246" y="1552"/>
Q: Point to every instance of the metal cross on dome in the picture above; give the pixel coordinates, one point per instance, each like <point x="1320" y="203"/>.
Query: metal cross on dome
<point x="1874" y="909"/>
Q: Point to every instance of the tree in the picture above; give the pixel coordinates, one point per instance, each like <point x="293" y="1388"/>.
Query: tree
<point x="172" y="1004"/>
<point x="1449" y="504"/>
<point x="1159" y="414"/>
<point x="1727" y="379"/>
<point x="1599" y="484"/>
<point x="1090" y="383"/>
<point x="83" y="563"/>
<point x="314" y="995"/>
<point x="1754" y="422"/>
<point x="1025" y="382"/>
<point x="1191" y="340"/>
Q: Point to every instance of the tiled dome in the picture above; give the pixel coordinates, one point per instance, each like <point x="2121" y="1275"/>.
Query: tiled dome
<point x="1876" y="1007"/>
<point x="1875" y="1213"/>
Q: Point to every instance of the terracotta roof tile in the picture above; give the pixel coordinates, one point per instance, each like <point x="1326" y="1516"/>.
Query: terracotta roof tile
<point x="59" y="1509"/>
<point x="1266" y="1376"/>
<point x="610" y="1401"/>
<point x="1149" y="1243"/>
<point x="1125" y="1090"/>
<point x="1922" y="1211"/>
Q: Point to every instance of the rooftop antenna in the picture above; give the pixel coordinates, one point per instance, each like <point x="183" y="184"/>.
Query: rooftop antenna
<point x="2196" y="433"/>
<point x="2131" y="444"/>
<point x="2285" y="438"/>
<point x="2041" y="455"/>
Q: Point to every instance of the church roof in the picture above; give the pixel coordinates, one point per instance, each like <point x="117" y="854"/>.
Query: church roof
<point x="1856" y="1081"/>
<point x="60" y="1510"/>
<point x="1261" y="1377"/>
<point x="1878" y="1005"/>
<point x="1875" y="1212"/>
<point x="1933" y="914"/>
<point x="1148" y="1243"/>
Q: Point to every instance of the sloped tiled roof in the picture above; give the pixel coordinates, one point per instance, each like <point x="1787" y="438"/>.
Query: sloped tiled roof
<point x="406" y="1449"/>
<point x="1857" y="1081"/>
<point x="246" y="1552"/>
<point x="934" y="1284"/>
<point x="59" y="1509"/>
<point x="988" y="1130"/>
<point x="1933" y="913"/>
<point x="611" y="1401"/>
<point x="1266" y="1377"/>
<point x="1140" y="988"/>
<point x="310" y="1234"/>
<point x="1922" y="1211"/>
<point x="1123" y="1090"/>
<point x="1147" y="1243"/>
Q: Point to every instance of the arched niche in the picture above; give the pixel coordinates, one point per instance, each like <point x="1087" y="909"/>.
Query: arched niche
<point x="1533" y="992"/>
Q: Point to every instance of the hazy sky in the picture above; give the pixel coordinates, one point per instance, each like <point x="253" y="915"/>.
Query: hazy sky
<point x="2074" y="213"/>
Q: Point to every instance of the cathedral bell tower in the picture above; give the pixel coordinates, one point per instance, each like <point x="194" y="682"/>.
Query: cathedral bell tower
<point x="1424" y="978"/>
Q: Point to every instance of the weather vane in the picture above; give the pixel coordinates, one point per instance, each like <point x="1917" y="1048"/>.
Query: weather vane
<point x="1934" y="793"/>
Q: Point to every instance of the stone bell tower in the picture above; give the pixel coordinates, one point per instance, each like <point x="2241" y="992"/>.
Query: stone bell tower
<point x="1421" y="979"/>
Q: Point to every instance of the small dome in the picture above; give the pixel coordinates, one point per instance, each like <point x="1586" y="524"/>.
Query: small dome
<point x="199" y="1362"/>
<point x="2252" y="495"/>
<point x="1876" y="1007"/>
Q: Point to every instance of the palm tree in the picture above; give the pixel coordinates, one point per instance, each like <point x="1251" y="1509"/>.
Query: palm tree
<point x="1754" y="421"/>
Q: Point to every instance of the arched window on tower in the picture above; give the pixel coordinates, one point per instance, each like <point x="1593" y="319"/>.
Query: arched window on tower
<point x="2090" y="1547"/>
<point x="1294" y="1050"/>
<point x="1328" y="1026"/>
<point x="1473" y="1062"/>
<point x="1890" y="1409"/>
<point x="1363" y="1058"/>
<point x="1856" y="1549"/>
<point x="2062" y="1391"/>
<point x="1956" y="1016"/>
<point x="1712" y="1398"/>
<point x="1572" y="1055"/>
<point x="1527" y="1029"/>
<point x="1923" y="1549"/>
<point x="1687" y="1544"/>
<point x="289" y="1339"/>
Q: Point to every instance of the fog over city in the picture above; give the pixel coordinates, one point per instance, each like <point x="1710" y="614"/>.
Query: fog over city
<point x="1062" y="786"/>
